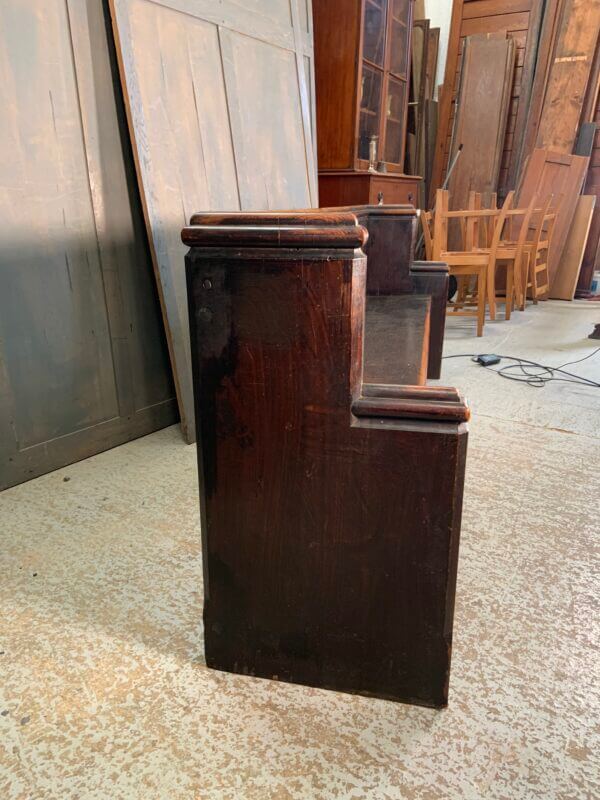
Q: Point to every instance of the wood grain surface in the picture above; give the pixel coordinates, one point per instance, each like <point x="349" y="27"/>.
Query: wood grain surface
<point x="519" y="20"/>
<point x="565" y="280"/>
<point x="481" y="115"/>
<point x="561" y="177"/>
<point x="570" y="68"/>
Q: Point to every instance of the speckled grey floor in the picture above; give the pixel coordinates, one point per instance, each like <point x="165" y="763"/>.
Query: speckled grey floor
<point x="103" y="691"/>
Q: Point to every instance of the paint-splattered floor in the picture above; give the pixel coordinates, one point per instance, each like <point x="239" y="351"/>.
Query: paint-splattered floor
<point x="103" y="692"/>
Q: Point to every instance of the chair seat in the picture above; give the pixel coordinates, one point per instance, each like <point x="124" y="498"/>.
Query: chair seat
<point x="475" y="258"/>
<point x="505" y="250"/>
<point x="510" y="243"/>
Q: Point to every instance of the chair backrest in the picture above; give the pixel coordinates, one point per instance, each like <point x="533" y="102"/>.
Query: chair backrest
<point x="440" y="224"/>
<point x="471" y="224"/>
<point x="500" y="223"/>
<point x="543" y="230"/>
<point x="488" y="223"/>
<point x="527" y="225"/>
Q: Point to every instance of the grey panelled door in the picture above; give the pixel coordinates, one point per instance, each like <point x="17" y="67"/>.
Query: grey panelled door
<point x="83" y="360"/>
<point x="220" y="99"/>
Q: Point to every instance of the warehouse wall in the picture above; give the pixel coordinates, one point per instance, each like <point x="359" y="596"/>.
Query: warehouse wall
<point x="440" y="14"/>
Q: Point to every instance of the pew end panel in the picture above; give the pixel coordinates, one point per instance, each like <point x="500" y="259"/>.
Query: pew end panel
<point x="330" y="504"/>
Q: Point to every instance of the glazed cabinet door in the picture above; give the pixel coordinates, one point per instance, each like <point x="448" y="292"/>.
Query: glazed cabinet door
<point x="384" y="82"/>
<point x="396" y="83"/>
<point x="372" y="77"/>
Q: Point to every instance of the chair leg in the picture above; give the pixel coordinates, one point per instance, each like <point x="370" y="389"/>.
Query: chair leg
<point x="524" y="281"/>
<point x="481" y="292"/>
<point x="491" y="290"/>
<point x="517" y="277"/>
<point x="534" y="289"/>
<point x="461" y="292"/>
<point x="509" y="290"/>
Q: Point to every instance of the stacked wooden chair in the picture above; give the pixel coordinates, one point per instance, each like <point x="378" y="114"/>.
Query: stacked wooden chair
<point x="503" y="247"/>
<point x="534" y="235"/>
<point x="525" y="239"/>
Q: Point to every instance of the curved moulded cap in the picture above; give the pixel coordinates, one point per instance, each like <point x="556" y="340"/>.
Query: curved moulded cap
<point x="275" y="229"/>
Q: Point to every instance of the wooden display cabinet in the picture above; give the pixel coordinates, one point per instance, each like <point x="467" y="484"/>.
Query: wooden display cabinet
<point x="362" y="69"/>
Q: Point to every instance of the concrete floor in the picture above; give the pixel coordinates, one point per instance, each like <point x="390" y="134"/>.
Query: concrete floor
<point x="103" y="691"/>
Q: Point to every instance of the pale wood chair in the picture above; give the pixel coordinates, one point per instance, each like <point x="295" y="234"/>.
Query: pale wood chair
<point x="473" y="266"/>
<point x="537" y="251"/>
<point x="471" y="278"/>
<point x="511" y="253"/>
<point x="524" y="241"/>
<point x="529" y="240"/>
<point x="493" y="254"/>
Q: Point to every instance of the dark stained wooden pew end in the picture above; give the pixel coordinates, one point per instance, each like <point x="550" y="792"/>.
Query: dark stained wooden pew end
<point x="331" y="477"/>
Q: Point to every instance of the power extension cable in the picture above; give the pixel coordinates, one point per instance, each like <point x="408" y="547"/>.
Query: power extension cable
<point x="487" y="360"/>
<point x="521" y="370"/>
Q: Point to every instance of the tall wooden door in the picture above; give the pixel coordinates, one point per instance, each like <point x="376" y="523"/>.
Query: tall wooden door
<point x="83" y="360"/>
<point x="518" y="19"/>
<point x="481" y="115"/>
<point x="570" y="68"/>
<point x="220" y="101"/>
<point x="591" y="257"/>
<point x="560" y="177"/>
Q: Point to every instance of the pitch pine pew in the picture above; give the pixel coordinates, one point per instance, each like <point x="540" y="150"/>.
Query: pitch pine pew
<point x="330" y="506"/>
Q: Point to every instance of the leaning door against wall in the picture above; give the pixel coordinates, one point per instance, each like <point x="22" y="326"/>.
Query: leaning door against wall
<point x="83" y="360"/>
<point x="220" y="100"/>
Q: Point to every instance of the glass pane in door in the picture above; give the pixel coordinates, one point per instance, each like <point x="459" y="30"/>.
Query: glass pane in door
<point x="399" y="38"/>
<point x="394" y="121"/>
<point x="400" y="10"/>
<point x="418" y="50"/>
<point x="374" y="33"/>
<point x="370" y="108"/>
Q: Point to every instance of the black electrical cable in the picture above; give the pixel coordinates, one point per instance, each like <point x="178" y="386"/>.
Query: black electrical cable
<point x="537" y="379"/>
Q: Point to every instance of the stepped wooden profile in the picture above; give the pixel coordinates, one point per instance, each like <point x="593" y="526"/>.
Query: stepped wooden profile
<point x="330" y="504"/>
